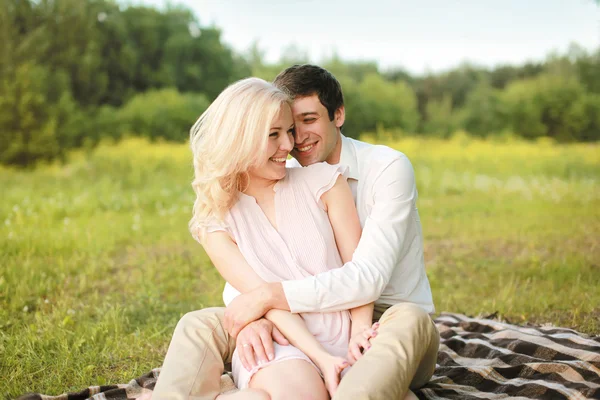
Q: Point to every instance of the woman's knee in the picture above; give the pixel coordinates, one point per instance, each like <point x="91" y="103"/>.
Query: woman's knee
<point x="291" y="380"/>
<point x="246" y="394"/>
<point x="299" y="392"/>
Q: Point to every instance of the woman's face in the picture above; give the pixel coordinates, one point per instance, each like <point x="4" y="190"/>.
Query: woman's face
<point x="281" y="142"/>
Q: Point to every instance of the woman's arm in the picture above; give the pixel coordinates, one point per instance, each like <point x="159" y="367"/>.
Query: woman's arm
<point x="230" y="262"/>
<point x="346" y="228"/>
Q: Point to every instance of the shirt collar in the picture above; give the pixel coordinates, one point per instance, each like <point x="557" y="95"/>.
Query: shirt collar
<point x="348" y="157"/>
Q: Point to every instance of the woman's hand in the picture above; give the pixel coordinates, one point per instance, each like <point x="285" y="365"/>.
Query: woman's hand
<point x="361" y="342"/>
<point x="255" y="343"/>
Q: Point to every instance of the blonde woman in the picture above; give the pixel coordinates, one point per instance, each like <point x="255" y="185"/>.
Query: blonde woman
<point x="260" y="221"/>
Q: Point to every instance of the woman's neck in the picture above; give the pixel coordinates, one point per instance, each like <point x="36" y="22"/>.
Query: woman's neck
<point x="259" y="187"/>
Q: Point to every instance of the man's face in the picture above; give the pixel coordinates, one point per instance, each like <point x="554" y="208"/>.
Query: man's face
<point x="317" y="138"/>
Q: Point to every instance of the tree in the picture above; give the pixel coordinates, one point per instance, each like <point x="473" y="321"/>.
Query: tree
<point x="35" y="116"/>
<point x="163" y="113"/>
<point x="548" y="105"/>
<point x="481" y="114"/>
<point x="376" y="103"/>
<point x="441" y="121"/>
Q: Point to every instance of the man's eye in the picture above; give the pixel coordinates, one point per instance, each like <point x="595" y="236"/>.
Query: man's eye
<point x="309" y="120"/>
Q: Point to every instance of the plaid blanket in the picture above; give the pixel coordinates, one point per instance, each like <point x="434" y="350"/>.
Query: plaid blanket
<point x="479" y="358"/>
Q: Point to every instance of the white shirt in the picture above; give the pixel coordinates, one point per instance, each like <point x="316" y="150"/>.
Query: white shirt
<point x="388" y="265"/>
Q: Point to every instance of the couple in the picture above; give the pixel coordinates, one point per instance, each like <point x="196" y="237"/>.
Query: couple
<point x="327" y="253"/>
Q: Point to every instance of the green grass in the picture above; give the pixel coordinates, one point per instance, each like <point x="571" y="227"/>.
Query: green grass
<point x="97" y="266"/>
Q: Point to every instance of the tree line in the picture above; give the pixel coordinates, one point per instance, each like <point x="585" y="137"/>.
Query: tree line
<point x="73" y="72"/>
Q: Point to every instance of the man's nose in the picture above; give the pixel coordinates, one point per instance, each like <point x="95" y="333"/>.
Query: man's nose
<point x="301" y="135"/>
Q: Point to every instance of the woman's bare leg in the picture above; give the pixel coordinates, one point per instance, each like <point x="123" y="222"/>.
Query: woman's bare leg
<point x="246" y="394"/>
<point x="295" y="330"/>
<point x="290" y="380"/>
<point x="259" y="394"/>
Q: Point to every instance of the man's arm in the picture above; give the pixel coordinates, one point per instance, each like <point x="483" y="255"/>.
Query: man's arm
<point x="362" y="280"/>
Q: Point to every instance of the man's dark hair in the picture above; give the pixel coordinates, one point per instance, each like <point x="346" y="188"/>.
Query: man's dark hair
<point x="306" y="80"/>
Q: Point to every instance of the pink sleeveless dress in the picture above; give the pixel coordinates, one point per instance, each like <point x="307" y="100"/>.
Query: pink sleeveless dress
<point x="302" y="245"/>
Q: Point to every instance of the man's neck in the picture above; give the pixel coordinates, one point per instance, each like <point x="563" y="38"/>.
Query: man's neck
<point x="336" y="154"/>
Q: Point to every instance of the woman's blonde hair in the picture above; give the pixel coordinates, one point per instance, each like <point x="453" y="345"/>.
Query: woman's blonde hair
<point x="230" y="137"/>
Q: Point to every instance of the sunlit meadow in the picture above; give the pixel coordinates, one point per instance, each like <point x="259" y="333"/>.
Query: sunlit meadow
<point x="97" y="265"/>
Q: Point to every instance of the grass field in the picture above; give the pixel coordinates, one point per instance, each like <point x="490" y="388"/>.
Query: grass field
<point x="97" y="266"/>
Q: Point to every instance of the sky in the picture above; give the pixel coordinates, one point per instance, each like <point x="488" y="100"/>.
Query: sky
<point x="420" y="35"/>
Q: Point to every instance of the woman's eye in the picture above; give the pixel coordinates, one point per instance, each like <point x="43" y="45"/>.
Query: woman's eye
<point x="273" y="134"/>
<point x="291" y="131"/>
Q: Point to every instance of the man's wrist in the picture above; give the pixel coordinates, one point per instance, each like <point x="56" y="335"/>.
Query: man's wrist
<point x="273" y="296"/>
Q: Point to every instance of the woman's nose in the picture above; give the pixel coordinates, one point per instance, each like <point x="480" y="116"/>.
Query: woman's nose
<point x="287" y="143"/>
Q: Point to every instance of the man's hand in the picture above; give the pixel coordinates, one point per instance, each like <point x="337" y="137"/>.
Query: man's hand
<point x="244" y="309"/>
<point x="255" y="343"/>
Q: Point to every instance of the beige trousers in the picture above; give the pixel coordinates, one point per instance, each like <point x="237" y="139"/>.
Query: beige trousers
<point x="196" y="358"/>
<point x="403" y="354"/>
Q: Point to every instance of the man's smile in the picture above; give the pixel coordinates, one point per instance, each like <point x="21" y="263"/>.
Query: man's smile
<point x="305" y="148"/>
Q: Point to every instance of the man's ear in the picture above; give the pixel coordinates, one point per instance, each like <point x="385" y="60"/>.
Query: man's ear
<point x="339" y="116"/>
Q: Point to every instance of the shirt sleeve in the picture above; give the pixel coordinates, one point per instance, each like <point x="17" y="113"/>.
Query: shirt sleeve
<point x="212" y="226"/>
<point x="321" y="177"/>
<point x="363" y="279"/>
<point x="215" y="226"/>
<point x="229" y="293"/>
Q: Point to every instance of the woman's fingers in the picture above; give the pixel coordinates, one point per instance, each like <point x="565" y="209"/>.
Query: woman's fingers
<point x="369" y="333"/>
<point x="361" y="342"/>
<point x="355" y="350"/>
<point x="365" y="344"/>
<point x="350" y="357"/>
<point x="352" y="350"/>
<point x="249" y="351"/>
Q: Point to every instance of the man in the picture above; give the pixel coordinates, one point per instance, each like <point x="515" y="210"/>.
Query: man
<point x="387" y="267"/>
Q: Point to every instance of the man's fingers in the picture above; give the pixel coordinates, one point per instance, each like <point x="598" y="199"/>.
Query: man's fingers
<point x="279" y="338"/>
<point x="259" y="349"/>
<point x="242" y="354"/>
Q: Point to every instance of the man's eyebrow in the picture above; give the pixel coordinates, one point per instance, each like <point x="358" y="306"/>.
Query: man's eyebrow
<point x="304" y="114"/>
